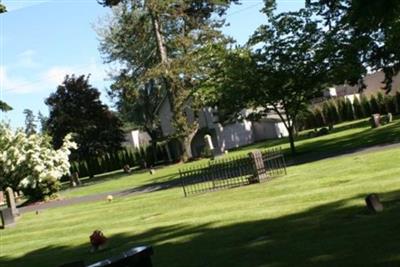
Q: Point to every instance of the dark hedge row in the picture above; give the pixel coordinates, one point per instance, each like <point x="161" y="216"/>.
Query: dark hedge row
<point x="341" y="109"/>
<point x="143" y="157"/>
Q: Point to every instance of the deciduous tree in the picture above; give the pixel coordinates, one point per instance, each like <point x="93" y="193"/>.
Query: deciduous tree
<point x="76" y="108"/>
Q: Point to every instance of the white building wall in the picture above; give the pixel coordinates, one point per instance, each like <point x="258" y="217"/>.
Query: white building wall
<point x="234" y="135"/>
<point x="136" y="139"/>
<point x="269" y="130"/>
<point x="281" y="130"/>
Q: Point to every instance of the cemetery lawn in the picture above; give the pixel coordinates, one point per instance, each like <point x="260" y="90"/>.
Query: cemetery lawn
<point x="346" y="137"/>
<point x="314" y="216"/>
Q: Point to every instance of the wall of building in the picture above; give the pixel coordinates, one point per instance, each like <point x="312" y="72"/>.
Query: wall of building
<point x="234" y="135"/>
<point x="137" y="139"/>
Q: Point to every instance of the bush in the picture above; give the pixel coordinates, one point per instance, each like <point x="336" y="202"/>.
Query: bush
<point x="318" y="117"/>
<point x="46" y="189"/>
<point x="322" y="131"/>
<point x="330" y="113"/>
<point x="365" y="106"/>
<point x="373" y="102"/>
<point x="348" y="109"/>
<point x="390" y="104"/>
<point x="358" y="109"/>
<point x="380" y="99"/>
<point x="341" y="106"/>
<point x="397" y="101"/>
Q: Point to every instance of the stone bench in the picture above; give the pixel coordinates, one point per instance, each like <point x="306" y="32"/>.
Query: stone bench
<point x="135" y="257"/>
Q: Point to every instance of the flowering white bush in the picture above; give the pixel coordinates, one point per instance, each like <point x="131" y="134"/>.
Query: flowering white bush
<point x="28" y="161"/>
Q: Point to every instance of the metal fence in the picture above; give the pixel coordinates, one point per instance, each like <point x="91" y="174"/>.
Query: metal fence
<point x="230" y="172"/>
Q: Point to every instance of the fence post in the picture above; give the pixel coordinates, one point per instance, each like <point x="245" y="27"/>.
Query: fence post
<point x="259" y="170"/>
<point x="183" y="183"/>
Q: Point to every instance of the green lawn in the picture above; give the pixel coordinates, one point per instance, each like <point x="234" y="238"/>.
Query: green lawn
<point x="345" y="137"/>
<point x="314" y="216"/>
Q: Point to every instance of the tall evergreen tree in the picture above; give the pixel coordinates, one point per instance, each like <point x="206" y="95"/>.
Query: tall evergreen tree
<point x="30" y="124"/>
<point x="366" y="106"/>
<point x="76" y="108"/>
<point x="160" y="41"/>
<point x="358" y="109"/>
<point x="373" y="102"/>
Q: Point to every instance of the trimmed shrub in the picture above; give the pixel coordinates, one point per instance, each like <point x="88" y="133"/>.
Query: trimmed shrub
<point x="319" y="117"/>
<point x="358" y="109"/>
<point x="348" y="109"/>
<point x="365" y="106"/>
<point x="390" y="104"/>
<point x="341" y="106"/>
<point x="397" y="101"/>
<point x="330" y="112"/>
<point x="374" y="105"/>
<point x="380" y="99"/>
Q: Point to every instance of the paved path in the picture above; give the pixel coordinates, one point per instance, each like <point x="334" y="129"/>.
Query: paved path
<point x="174" y="183"/>
<point x="148" y="188"/>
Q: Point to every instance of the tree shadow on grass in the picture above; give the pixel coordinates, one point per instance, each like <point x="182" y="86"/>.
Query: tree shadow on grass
<point x="333" y="234"/>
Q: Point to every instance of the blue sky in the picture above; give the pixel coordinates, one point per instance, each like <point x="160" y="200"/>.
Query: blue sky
<point x="42" y="41"/>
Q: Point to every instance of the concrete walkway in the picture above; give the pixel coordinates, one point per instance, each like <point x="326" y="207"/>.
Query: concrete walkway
<point x="148" y="188"/>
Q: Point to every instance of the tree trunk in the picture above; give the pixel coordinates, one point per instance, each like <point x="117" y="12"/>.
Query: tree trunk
<point x="154" y="151"/>
<point x="291" y="140"/>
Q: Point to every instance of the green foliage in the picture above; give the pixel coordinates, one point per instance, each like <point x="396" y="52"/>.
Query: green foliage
<point x="330" y="112"/>
<point x="361" y="33"/>
<point x="373" y="102"/>
<point x="44" y="190"/>
<point x="2" y="8"/>
<point x="366" y="107"/>
<point x="4" y="106"/>
<point x="341" y="106"/>
<point x="390" y="104"/>
<point x="358" y="109"/>
<point x="143" y="157"/>
<point x="380" y="99"/>
<point x="349" y="113"/>
<point x="76" y="108"/>
<point x="30" y="124"/>
<point x="319" y="117"/>
<point x="397" y="101"/>
<point x="162" y="42"/>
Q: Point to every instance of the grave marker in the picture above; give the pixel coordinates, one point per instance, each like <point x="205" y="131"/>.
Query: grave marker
<point x="10" y="198"/>
<point x="7" y="218"/>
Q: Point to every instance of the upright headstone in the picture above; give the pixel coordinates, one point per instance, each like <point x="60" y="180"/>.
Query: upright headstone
<point x="373" y="203"/>
<point x="7" y="218"/>
<point x="10" y="198"/>
<point x="209" y="144"/>
<point x="74" y="179"/>
<point x="375" y="120"/>
<point x="260" y="173"/>
<point x="390" y="117"/>
<point x="1" y="197"/>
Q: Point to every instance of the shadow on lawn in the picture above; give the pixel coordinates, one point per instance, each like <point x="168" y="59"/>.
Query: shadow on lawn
<point x="333" y="234"/>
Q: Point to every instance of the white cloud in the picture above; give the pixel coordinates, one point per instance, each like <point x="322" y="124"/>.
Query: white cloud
<point x="56" y="74"/>
<point x="48" y="79"/>
<point x="26" y="59"/>
<point x="15" y="84"/>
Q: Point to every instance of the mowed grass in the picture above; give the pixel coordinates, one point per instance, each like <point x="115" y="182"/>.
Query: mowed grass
<point x="346" y="137"/>
<point x="314" y="216"/>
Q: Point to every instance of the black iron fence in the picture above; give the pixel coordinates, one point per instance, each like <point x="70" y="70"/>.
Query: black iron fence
<point x="232" y="172"/>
